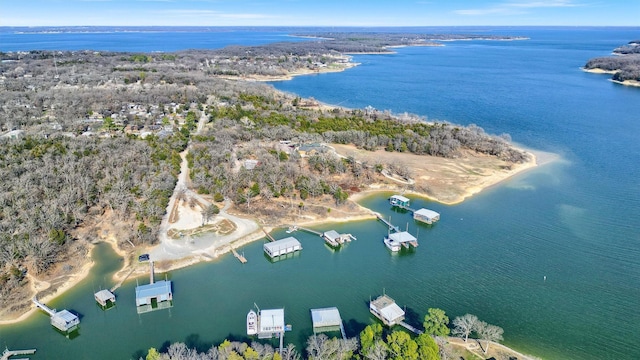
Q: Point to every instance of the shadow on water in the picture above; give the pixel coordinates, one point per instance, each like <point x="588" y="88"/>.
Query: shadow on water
<point x="193" y="341"/>
<point x="412" y="318"/>
<point x="353" y="327"/>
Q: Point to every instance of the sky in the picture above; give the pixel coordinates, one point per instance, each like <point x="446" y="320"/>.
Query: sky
<point x="319" y="12"/>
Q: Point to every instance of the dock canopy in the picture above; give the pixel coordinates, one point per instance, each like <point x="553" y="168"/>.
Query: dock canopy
<point x="160" y="291"/>
<point x="426" y="215"/>
<point x="399" y="200"/>
<point x="325" y="317"/>
<point x="103" y="296"/>
<point x="65" y="320"/>
<point x="282" y="247"/>
<point x="402" y="237"/>
<point x="271" y="321"/>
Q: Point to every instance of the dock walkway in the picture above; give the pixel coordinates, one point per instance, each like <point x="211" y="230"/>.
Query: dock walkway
<point x="309" y="230"/>
<point x="238" y="256"/>
<point x="268" y="235"/>
<point x="410" y="328"/>
<point x="406" y="208"/>
<point x="389" y="224"/>
<point x="6" y="354"/>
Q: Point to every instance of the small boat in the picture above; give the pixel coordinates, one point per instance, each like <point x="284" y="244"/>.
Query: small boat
<point x="292" y="229"/>
<point x="392" y="244"/>
<point x="252" y="323"/>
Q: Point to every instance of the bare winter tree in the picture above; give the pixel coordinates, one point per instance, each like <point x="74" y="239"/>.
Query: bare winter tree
<point x="464" y="325"/>
<point x="489" y="333"/>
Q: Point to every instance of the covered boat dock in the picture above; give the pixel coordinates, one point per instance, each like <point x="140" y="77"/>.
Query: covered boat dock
<point x="327" y="319"/>
<point x="282" y="247"/>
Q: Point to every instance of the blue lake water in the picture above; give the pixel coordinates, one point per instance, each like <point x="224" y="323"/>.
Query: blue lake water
<point x="573" y="221"/>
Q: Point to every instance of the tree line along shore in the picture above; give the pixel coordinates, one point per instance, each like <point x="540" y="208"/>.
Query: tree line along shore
<point x="96" y="138"/>
<point x="624" y="64"/>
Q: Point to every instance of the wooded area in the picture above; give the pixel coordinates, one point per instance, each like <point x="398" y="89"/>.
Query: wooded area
<point x="87" y="133"/>
<point x="625" y="62"/>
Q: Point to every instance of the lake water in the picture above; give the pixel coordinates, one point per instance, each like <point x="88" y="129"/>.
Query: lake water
<point x="572" y="221"/>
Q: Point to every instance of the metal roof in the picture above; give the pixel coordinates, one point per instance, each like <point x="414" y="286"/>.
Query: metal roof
<point x="104" y="295"/>
<point x="66" y="316"/>
<point x="400" y="197"/>
<point x="402" y="237"/>
<point x="153" y="290"/>
<point x="332" y="234"/>
<point x="326" y="317"/>
<point x="271" y="320"/>
<point x="392" y="312"/>
<point x="427" y="213"/>
<point x="282" y="243"/>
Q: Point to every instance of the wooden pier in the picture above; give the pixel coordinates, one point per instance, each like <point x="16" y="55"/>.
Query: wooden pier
<point x="268" y="235"/>
<point x="238" y="256"/>
<point x="309" y="230"/>
<point x="64" y="320"/>
<point x="6" y="354"/>
<point x="388" y="223"/>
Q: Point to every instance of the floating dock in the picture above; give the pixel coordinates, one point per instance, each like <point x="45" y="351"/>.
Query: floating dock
<point x="6" y="354"/>
<point x="64" y="320"/>
<point x="241" y="258"/>
<point x="282" y="247"/>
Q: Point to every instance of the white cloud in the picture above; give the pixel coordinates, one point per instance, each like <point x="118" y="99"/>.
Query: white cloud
<point x="515" y="8"/>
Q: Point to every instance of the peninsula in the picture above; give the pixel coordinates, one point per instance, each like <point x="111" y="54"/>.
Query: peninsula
<point x="137" y="148"/>
<point x="624" y="65"/>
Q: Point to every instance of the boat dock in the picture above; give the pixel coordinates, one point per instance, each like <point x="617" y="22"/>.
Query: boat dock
<point x="423" y="215"/>
<point x="64" y="320"/>
<point x="331" y="237"/>
<point x="105" y="297"/>
<point x="282" y="247"/>
<point x="6" y="354"/>
<point x="327" y="319"/>
<point x="238" y="256"/>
